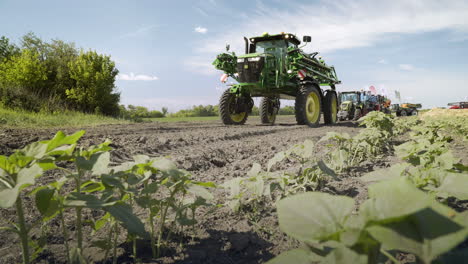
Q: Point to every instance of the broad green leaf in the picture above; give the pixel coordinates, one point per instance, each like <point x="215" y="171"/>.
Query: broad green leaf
<point x="255" y="170"/>
<point x="205" y="184"/>
<point x="8" y="197"/>
<point x="314" y="216"/>
<point x="280" y="156"/>
<point x="393" y="172"/>
<point x="426" y="233"/>
<point x="344" y="255"/>
<point x="296" y="256"/>
<point x="123" y="213"/>
<point x="43" y="197"/>
<point x="455" y="185"/>
<point x="46" y="164"/>
<point x="151" y="188"/>
<point x="305" y="150"/>
<point x="24" y="178"/>
<point x="112" y="181"/>
<point x="394" y="199"/>
<point x="234" y="186"/>
<point x="200" y="191"/>
<point x="256" y="186"/>
<point x="86" y="200"/>
<point x="91" y="186"/>
<point x="97" y="164"/>
<point x="36" y="150"/>
<point x="61" y="139"/>
<point x="139" y="159"/>
<point x="323" y="167"/>
<point x="101" y="222"/>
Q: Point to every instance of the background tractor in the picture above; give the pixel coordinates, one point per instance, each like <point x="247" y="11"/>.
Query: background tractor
<point x="356" y="104"/>
<point x="405" y="109"/>
<point x="348" y="103"/>
<point x="274" y="67"/>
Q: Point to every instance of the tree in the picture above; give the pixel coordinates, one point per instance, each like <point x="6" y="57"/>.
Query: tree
<point x="7" y="50"/>
<point x="22" y="80"/>
<point x="94" y="75"/>
<point x="164" y="111"/>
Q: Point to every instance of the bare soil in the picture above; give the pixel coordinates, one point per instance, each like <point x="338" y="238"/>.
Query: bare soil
<point x="211" y="152"/>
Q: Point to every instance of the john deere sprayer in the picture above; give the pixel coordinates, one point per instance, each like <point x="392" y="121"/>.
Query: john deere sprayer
<point x="275" y="67"/>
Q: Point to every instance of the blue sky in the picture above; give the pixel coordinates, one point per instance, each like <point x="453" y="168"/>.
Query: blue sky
<point x="164" y="49"/>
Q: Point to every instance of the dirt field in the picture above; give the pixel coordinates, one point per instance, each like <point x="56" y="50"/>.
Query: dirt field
<point x="211" y="152"/>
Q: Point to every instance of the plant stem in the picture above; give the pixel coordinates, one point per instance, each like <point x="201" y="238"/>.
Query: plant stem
<point x="389" y="256"/>
<point x="78" y="214"/>
<point x="109" y="240"/>
<point x="161" y="228"/>
<point x="114" y="260"/>
<point x="23" y="232"/>
<point x="65" y="234"/>
<point x="134" y="250"/>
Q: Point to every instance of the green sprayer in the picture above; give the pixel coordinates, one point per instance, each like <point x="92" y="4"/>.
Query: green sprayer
<point x="275" y="67"/>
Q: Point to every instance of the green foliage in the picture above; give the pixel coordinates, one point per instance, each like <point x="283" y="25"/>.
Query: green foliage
<point x="7" y="50"/>
<point x="428" y="161"/>
<point x="197" y="111"/>
<point x="397" y="216"/>
<point x="27" y="119"/>
<point x="249" y="193"/>
<point x="286" y="110"/>
<point x="51" y="76"/>
<point x="154" y="184"/>
<point x="94" y="75"/>
<point x="137" y="113"/>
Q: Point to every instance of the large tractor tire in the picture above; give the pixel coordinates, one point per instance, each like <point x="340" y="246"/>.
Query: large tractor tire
<point x="330" y="108"/>
<point x="414" y="112"/>
<point x="357" y="114"/>
<point x="308" y="106"/>
<point x="269" y="108"/>
<point x="227" y="110"/>
<point x="403" y="113"/>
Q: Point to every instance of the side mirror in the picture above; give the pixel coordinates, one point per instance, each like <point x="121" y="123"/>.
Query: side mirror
<point x="307" y="39"/>
<point x="228" y="47"/>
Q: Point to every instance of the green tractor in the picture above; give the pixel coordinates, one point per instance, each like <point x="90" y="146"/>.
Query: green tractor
<point x="275" y="67"/>
<point x="349" y="102"/>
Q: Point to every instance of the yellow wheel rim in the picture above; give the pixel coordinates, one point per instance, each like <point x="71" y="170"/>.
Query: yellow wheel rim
<point x="334" y="109"/>
<point x="237" y="117"/>
<point x="313" y="107"/>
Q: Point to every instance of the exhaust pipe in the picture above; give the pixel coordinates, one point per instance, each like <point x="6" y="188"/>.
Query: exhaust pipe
<point x="246" y="45"/>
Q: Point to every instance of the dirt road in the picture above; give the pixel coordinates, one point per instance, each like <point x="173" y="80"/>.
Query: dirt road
<point x="211" y="152"/>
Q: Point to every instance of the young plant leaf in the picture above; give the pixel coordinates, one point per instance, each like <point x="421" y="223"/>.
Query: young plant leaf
<point x="314" y="216"/>
<point x="123" y="213"/>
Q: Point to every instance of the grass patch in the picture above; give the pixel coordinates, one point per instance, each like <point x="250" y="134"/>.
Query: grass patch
<point x="24" y="119"/>
<point x="182" y="119"/>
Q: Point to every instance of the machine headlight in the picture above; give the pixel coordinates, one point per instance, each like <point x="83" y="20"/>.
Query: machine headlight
<point x="240" y="60"/>
<point x="254" y="59"/>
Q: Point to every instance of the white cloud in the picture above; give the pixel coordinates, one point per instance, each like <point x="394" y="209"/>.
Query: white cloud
<point x="345" y="24"/>
<point x="201" y="30"/>
<point x="137" y="77"/>
<point x="382" y="61"/>
<point x="406" y="67"/>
